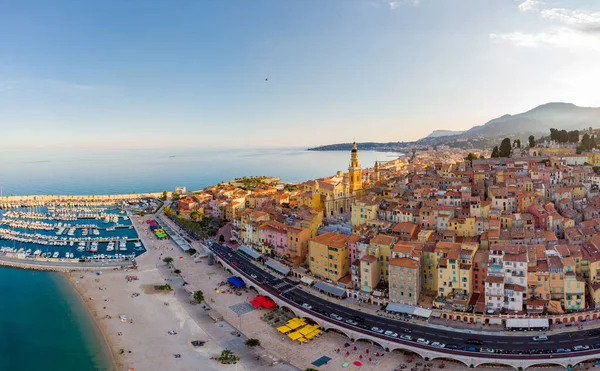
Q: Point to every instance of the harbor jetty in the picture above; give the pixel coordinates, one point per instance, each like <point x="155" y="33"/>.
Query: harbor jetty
<point x="8" y="202"/>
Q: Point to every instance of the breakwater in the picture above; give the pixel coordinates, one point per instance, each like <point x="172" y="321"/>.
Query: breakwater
<point x="73" y="200"/>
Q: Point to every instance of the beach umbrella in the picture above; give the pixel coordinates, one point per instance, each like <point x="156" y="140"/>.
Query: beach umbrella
<point x="347" y="353"/>
<point x="345" y="364"/>
<point x="360" y="356"/>
<point x="355" y="347"/>
<point x="367" y="351"/>
<point x="357" y="363"/>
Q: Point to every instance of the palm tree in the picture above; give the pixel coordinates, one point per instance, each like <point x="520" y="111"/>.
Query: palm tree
<point x="168" y="260"/>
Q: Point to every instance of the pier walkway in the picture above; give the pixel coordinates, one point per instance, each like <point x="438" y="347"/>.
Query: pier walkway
<point x="61" y="266"/>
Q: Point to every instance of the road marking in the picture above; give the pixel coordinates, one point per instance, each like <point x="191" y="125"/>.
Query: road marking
<point x="516" y="342"/>
<point x="457" y="338"/>
<point x="565" y="341"/>
<point x="502" y="342"/>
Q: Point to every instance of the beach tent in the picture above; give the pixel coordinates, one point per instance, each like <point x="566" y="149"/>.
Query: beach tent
<point x="294" y="325"/>
<point x="236" y="281"/>
<point x="284" y="329"/>
<point x="307" y="329"/>
<point x="268" y="303"/>
<point x="294" y="335"/>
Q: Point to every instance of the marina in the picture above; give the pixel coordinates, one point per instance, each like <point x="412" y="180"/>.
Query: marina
<point x="68" y="232"/>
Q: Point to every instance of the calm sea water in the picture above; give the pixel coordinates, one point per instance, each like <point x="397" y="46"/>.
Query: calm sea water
<point x="123" y="171"/>
<point x="44" y="325"/>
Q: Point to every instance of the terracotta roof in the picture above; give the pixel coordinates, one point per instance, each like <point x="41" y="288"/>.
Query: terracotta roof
<point x="405" y="262"/>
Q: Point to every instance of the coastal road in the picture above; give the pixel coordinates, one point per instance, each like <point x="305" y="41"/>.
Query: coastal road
<point x="509" y="344"/>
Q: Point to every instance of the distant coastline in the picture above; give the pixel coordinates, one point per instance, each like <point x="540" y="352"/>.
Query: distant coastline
<point x="367" y="146"/>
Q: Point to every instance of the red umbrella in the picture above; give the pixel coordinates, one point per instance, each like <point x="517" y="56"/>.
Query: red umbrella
<point x="370" y="359"/>
<point x="367" y="351"/>
<point x="360" y="356"/>
<point x="356" y="363"/>
<point x="347" y="353"/>
<point x="355" y="347"/>
<point x="338" y="350"/>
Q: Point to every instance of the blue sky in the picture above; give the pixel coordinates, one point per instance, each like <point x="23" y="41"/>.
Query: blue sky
<point x="131" y="74"/>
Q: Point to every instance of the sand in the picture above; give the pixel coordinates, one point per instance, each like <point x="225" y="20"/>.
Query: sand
<point x="145" y="344"/>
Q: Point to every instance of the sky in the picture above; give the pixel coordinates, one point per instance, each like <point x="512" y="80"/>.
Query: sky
<point x="273" y="73"/>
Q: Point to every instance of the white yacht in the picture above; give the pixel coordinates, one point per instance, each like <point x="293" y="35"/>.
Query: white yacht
<point x="55" y="255"/>
<point x="111" y="246"/>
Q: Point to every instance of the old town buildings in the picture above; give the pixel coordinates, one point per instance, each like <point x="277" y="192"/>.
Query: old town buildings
<point x="501" y="235"/>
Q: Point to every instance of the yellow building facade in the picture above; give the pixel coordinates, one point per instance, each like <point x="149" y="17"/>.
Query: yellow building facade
<point x="328" y="256"/>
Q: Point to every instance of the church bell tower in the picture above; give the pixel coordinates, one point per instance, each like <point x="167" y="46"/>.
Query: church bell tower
<point x="354" y="171"/>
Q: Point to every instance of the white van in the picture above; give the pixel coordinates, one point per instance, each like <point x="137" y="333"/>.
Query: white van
<point x="540" y="338"/>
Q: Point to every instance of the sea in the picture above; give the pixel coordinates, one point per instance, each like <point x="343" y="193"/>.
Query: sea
<point x="44" y="325"/>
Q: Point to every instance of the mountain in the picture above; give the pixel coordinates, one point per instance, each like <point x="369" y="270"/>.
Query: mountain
<point x="539" y="120"/>
<point x="443" y="133"/>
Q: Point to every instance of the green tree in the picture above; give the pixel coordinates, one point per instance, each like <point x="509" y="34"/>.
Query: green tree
<point x="585" y="142"/>
<point x="531" y="141"/>
<point x="196" y="215"/>
<point x="199" y="296"/>
<point x="554" y="134"/>
<point x="574" y="136"/>
<point x="164" y="195"/>
<point x="228" y="357"/>
<point x="563" y="136"/>
<point x="482" y="157"/>
<point x="251" y="343"/>
<point x="221" y="239"/>
<point x="177" y="271"/>
<point x="175" y="196"/>
<point x="593" y="142"/>
<point x="168" y="260"/>
<point x="471" y="156"/>
<point x="505" y="147"/>
<point x="517" y="143"/>
<point x="192" y="251"/>
<point x="495" y="152"/>
<point x="169" y="212"/>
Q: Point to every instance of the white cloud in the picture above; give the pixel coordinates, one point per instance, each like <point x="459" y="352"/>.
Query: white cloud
<point x="397" y="3"/>
<point x="530" y="6"/>
<point x="578" y="29"/>
<point x="583" y="20"/>
<point x="560" y="38"/>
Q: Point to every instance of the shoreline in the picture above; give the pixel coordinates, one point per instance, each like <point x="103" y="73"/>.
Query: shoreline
<point x="107" y="341"/>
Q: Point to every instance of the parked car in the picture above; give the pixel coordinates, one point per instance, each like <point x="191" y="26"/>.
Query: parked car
<point x="563" y="350"/>
<point x="596" y="346"/>
<point x="422" y="341"/>
<point x="470" y="349"/>
<point x="335" y="316"/>
<point x="540" y="338"/>
<point x="406" y="337"/>
<point x="391" y="333"/>
<point x="438" y="344"/>
<point x="581" y="347"/>
<point x="307" y="306"/>
<point x="253" y="276"/>
<point x="377" y="329"/>
<point x="351" y="322"/>
<point x="486" y="350"/>
<point x="453" y="346"/>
